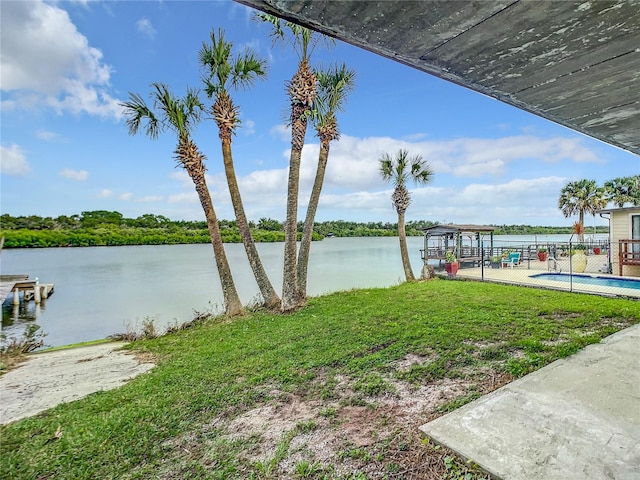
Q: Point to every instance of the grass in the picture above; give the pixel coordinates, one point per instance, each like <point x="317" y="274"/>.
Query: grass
<point x="314" y="394"/>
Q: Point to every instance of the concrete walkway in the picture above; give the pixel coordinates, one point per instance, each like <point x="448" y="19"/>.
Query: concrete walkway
<point x="578" y="418"/>
<point x="49" y="378"/>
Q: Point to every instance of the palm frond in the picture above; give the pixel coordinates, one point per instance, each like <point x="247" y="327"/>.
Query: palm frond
<point x="402" y="168"/>
<point x="276" y="32"/>
<point x="214" y="58"/>
<point x="223" y="71"/>
<point x="136" y="110"/>
<point x="386" y="167"/>
<point x="246" y="69"/>
<point x="582" y="196"/>
<point x="179" y="114"/>
<point x="334" y="85"/>
<point x="304" y="39"/>
<point x="193" y="106"/>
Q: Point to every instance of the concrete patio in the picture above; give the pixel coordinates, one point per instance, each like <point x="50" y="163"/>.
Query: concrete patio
<point x="578" y="418"/>
<point x="523" y="275"/>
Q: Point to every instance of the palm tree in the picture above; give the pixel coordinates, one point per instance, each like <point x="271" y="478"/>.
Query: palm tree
<point x="225" y="73"/>
<point x="333" y="87"/>
<point x="582" y="196"/>
<point x="623" y="190"/>
<point x="398" y="170"/>
<point x="180" y="115"/>
<point x="302" y="93"/>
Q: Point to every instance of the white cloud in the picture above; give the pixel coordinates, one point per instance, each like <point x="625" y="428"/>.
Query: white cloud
<point x="187" y="197"/>
<point x="488" y="167"/>
<point x="76" y="175"/>
<point x="518" y="201"/>
<point x="144" y="26"/>
<point x="46" y="135"/>
<point x="180" y="175"/>
<point x="105" y="193"/>
<point x="353" y="162"/>
<point x="353" y="188"/>
<point x="249" y="127"/>
<point x="261" y="182"/>
<point x="353" y="185"/>
<point x="125" y="196"/>
<point x="281" y="132"/>
<point x="414" y="137"/>
<point x="151" y="198"/>
<point x="13" y="161"/>
<point x="47" y="61"/>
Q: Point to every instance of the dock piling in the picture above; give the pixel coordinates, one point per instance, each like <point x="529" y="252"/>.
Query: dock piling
<point x="32" y="289"/>
<point x="36" y="292"/>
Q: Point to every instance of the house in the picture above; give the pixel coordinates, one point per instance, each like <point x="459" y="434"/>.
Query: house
<point x="624" y="237"/>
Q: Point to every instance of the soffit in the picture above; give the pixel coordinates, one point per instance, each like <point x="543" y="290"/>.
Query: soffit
<point x="574" y="63"/>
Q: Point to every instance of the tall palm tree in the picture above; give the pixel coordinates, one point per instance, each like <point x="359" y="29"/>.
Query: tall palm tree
<point x="580" y="197"/>
<point x="623" y="190"/>
<point x="333" y="86"/>
<point x="302" y="93"/>
<point x="180" y="115"/>
<point x="399" y="170"/>
<point x="224" y="73"/>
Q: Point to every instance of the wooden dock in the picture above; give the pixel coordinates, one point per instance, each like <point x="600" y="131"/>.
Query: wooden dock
<point x="32" y="289"/>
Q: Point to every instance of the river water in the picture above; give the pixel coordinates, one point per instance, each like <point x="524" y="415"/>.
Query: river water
<point x="101" y="291"/>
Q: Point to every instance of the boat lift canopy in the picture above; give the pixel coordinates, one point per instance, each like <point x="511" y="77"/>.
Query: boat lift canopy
<point x="462" y="240"/>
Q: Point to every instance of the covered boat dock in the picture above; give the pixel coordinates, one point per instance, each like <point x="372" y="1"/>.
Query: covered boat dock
<point x="463" y="240"/>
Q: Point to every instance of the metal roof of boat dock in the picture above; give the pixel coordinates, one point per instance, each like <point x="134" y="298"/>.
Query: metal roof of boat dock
<point x="453" y="228"/>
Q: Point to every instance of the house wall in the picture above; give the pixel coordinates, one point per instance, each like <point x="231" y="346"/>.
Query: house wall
<point x="621" y="230"/>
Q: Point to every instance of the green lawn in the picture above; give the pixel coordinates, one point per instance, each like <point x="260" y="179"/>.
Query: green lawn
<point x="336" y="390"/>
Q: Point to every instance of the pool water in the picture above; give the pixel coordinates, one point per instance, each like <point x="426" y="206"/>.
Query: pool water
<point x="589" y="280"/>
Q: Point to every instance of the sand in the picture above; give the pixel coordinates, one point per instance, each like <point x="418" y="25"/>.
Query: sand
<point x="50" y="378"/>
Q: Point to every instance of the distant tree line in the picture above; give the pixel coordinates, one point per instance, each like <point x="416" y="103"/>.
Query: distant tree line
<point x="105" y="228"/>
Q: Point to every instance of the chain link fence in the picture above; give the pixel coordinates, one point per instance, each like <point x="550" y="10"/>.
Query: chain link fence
<point x="573" y="266"/>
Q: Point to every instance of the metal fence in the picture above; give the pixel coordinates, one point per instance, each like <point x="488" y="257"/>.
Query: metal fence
<point x="574" y="266"/>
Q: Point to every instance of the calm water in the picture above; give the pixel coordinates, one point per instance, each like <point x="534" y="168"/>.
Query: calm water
<point x="100" y="291"/>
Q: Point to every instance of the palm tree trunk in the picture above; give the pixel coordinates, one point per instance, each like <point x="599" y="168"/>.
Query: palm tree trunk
<point x="312" y="208"/>
<point x="269" y="295"/>
<point x="404" y="252"/>
<point x="291" y="297"/>
<point x="581" y="235"/>
<point x="233" y="305"/>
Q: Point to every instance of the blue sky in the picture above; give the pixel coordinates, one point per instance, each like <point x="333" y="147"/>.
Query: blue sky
<point x="65" y="148"/>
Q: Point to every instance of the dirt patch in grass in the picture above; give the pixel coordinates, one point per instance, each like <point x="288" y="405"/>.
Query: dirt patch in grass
<point x="352" y="436"/>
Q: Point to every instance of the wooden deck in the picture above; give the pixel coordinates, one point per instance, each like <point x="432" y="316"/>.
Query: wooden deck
<point x="7" y="284"/>
<point x="11" y="283"/>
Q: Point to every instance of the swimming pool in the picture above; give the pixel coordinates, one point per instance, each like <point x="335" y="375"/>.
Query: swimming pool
<point x="590" y="280"/>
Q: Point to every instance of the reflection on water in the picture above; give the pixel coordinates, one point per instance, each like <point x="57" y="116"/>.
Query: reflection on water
<point x="18" y="316"/>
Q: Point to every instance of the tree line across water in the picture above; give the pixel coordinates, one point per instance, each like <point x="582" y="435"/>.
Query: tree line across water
<point x="105" y="228"/>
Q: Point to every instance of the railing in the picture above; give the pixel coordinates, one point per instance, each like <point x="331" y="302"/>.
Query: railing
<point x="628" y="253"/>
<point x="465" y="254"/>
<point x="471" y="256"/>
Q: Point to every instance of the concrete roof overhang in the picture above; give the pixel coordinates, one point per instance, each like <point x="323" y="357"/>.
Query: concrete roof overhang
<point x="576" y="63"/>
